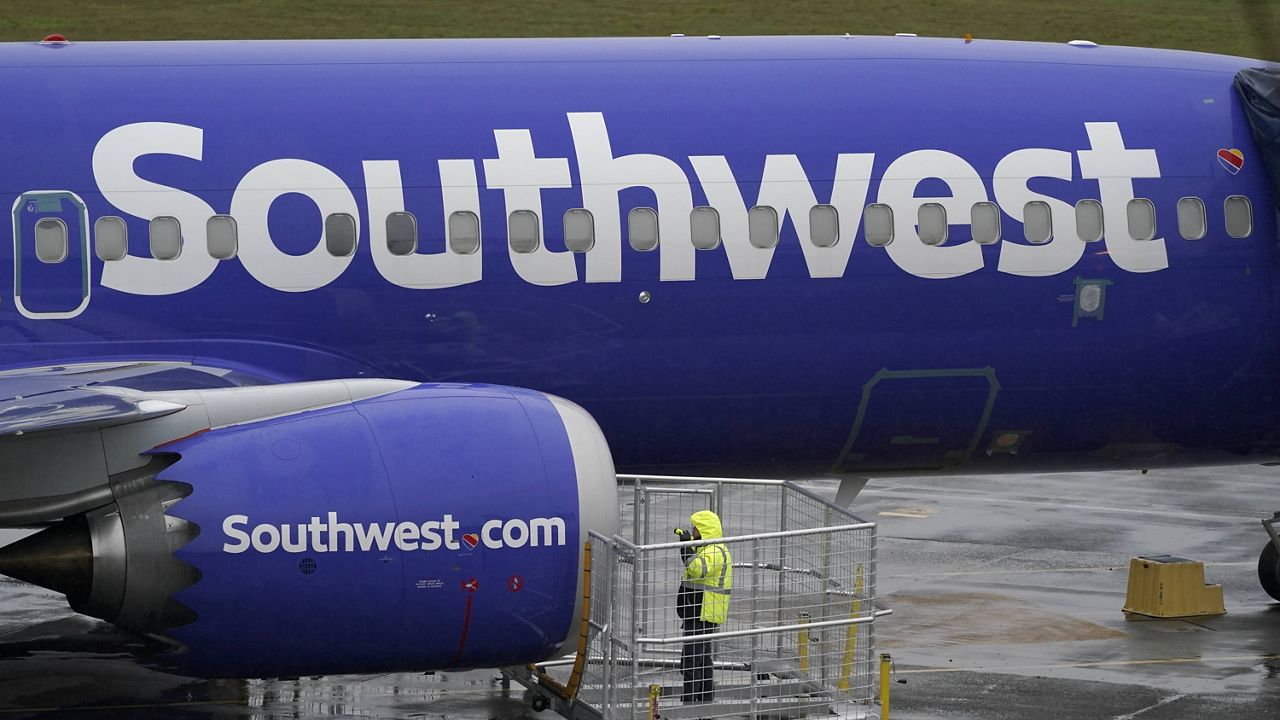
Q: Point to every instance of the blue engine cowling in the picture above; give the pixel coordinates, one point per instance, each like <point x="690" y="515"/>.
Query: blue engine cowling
<point x="440" y="526"/>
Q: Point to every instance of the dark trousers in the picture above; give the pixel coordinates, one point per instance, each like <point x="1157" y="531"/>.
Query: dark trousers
<point x="695" y="662"/>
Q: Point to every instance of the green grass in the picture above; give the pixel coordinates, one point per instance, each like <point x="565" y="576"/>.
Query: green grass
<point x="1239" y="27"/>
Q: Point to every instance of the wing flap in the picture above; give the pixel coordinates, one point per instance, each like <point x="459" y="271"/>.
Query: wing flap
<point x="87" y="395"/>
<point x="76" y="408"/>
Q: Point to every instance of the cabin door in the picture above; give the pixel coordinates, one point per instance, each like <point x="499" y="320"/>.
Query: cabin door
<point x="50" y="255"/>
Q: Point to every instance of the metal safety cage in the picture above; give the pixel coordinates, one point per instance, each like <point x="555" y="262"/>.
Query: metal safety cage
<point x="799" y="637"/>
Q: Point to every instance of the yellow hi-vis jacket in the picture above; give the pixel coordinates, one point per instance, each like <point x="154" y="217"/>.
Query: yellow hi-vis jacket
<point x="710" y="569"/>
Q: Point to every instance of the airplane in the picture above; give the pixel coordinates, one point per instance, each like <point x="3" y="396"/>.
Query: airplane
<point x="321" y="356"/>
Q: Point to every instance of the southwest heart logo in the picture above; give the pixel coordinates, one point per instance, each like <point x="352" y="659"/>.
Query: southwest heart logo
<point x="1231" y="159"/>
<point x="471" y="539"/>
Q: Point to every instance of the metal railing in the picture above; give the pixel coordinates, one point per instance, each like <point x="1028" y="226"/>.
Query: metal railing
<point x="800" y="633"/>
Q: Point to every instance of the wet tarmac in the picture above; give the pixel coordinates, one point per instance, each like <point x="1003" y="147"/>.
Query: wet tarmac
<point x="1007" y="594"/>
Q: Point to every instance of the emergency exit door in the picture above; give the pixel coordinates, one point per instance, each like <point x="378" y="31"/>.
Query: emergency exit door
<point x="50" y="254"/>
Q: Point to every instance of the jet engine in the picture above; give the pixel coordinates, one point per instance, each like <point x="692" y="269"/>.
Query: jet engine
<point x="431" y="527"/>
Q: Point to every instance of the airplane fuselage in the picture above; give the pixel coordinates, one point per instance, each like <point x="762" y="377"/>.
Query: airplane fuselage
<point x="812" y="356"/>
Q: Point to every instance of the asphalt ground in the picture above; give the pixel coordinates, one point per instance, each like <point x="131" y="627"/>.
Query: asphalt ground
<point x="1008" y="591"/>
<point x="1007" y="595"/>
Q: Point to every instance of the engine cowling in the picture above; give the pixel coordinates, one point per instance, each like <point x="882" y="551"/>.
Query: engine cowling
<point x="439" y="526"/>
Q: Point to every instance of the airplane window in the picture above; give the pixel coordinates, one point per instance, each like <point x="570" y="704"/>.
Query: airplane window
<point x="824" y="225"/>
<point x="51" y="240"/>
<point x="704" y="226"/>
<point x="579" y="230"/>
<point x="1037" y="222"/>
<point x="1192" y="223"/>
<point x="223" y="237"/>
<point x="985" y="219"/>
<point x="523" y="232"/>
<point x="340" y="235"/>
<point x="1142" y="219"/>
<point x="762" y="226"/>
<point x="166" y="238"/>
<point x="642" y="228"/>
<point x="402" y="233"/>
<point x="878" y="221"/>
<point x="464" y="232"/>
<point x="1239" y="213"/>
<point x="110" y="238"/>
<point x="1089" y="220"/>
<point x="932" y="224"/>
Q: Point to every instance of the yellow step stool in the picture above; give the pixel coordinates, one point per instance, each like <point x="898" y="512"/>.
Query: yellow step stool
<point x="1166" y="586"/>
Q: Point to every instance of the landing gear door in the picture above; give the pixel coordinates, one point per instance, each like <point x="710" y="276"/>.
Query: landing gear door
<point x="919" y="420"/>
<point x="50" y="254"/>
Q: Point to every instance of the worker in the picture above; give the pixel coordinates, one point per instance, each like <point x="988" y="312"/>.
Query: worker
<point x="702" y="603"/>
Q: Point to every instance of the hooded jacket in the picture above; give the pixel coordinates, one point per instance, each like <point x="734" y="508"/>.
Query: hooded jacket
<point x="708" y="574"/>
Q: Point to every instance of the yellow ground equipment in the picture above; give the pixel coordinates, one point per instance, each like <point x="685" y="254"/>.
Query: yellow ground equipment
<point x="1166" y="586"/>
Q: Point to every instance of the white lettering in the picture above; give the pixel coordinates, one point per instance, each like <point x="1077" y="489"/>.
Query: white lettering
<point x="448" y="525"/>
<point x="266" y="538"/>
<point x="337" y="529"/>
<point x="295" y="545"/>
<point x="374" y="535"/>
<point x="251" y="204"/>
<point x="1010" y="185"/>
<point x="786" y="188"/>
<point x="241" y="537"/>
<point x="551" y="529"/>
<point x="1115" y="167"/>
<point x="113" y="160"/>
<point x="496" y="534"/>
<point x="603" y="176"/>
<point x="430" y="536"/>
<point x="486" y="534"/>
<point x="522" y="176"/>
<point x="515" y="534"/>
<point x="407" y="536"/>
<point x="315" y="528"/>
<point x="421" y="270"/>
<point x="897" y="190"/>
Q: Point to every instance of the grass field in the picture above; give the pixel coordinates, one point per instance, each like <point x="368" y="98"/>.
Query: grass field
<point x="1239" y="27"/>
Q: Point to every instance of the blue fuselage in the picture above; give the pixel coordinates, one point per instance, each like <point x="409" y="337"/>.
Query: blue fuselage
<point x="962" y="357"/>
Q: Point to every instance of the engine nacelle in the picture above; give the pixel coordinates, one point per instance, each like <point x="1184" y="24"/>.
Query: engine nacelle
<point x="440" y="526"/>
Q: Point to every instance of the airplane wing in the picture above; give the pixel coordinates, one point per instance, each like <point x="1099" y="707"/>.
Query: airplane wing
<point x="62" y="397"/>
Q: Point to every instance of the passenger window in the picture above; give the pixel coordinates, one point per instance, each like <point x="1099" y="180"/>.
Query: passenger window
<point x="932" y="223"/>
<point x="1037" y="222"/>
<point x="223" y="237"/>
<point x="51" y="240"/>
<point x="877" y="219"/>
<point x="340" y="235"/>
<point x="824" y="226"/>
<point x="402" y="233"/>
<point x="523" y="232"/>
<point x="110" y="238"/>
<point x="1239" y="212"/>
<point x="1142" y="219"/>
<point x="1089" y="224"/>
<point x="464" y="232"/>
<point x="704" y="226"/>
<point x="166" y="238"/>
<point x="579" y="230"/>
<point x="642" y="229"/>
<point x="762" y="226"/>
<point x="985" y="220"/>
<point x="1192" y="221"/>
